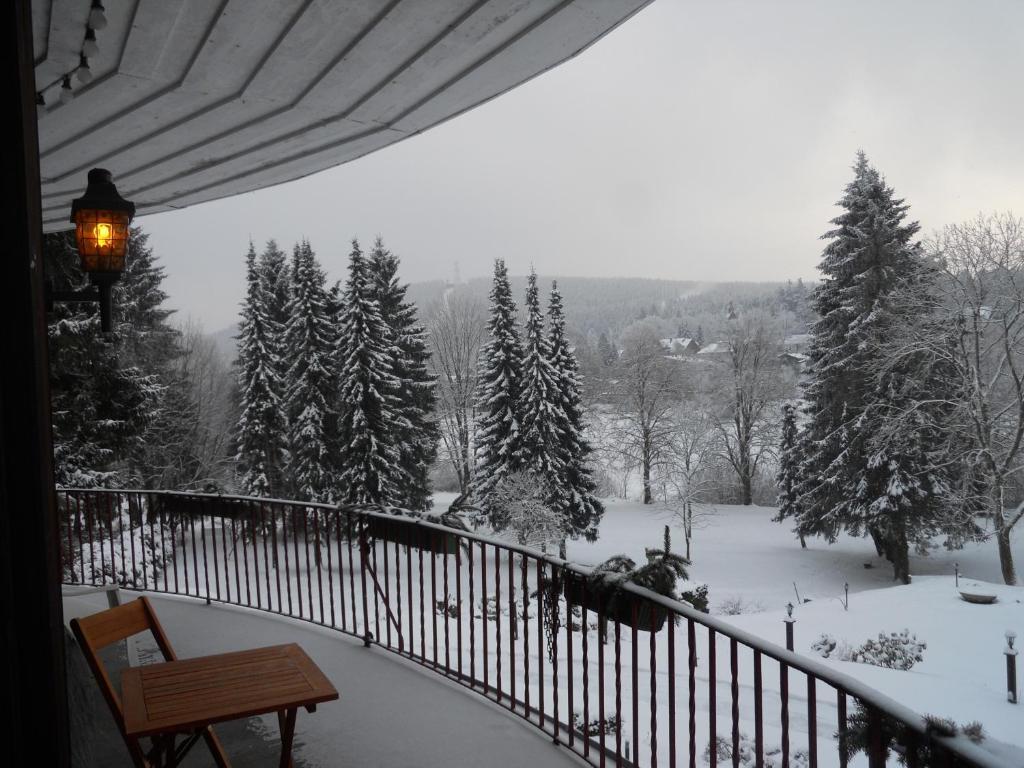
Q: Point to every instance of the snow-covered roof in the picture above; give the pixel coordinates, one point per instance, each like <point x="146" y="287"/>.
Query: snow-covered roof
<point x="682" y="341"/>
<point x="714" y="348"/>
<point x="193" y="101"/>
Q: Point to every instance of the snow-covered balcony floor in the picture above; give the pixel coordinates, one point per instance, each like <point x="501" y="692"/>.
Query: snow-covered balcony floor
<point x="391" y="712"/>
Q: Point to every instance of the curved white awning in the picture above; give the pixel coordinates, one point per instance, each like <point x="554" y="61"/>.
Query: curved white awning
<point x="193" y="100"/>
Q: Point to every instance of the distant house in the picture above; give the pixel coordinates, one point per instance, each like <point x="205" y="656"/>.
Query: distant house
<point x="797" y="342"/>
<point x="714" y="349"/>
<point x="680" y="346"/>
<point x="795" y="360"/>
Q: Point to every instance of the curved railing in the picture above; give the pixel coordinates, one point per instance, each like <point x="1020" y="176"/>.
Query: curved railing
<point x="621" y="678"/>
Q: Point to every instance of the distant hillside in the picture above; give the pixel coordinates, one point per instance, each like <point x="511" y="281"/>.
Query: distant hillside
<point x="595" y="305"/>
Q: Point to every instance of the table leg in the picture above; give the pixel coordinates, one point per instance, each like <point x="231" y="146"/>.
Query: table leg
<point x="286" y="721"/>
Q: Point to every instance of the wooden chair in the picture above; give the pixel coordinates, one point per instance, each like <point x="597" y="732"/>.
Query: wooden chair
<point x="108" y="627"/>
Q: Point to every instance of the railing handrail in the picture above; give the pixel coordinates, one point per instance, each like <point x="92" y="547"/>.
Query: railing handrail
<point x="958" y="744"/>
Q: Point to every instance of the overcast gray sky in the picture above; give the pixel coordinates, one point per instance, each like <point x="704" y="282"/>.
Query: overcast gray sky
<point x="701" y="140"/>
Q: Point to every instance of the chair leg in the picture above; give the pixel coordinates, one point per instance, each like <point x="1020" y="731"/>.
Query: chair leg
<point x="220" y="757"/>
<point x="286" y="721"/>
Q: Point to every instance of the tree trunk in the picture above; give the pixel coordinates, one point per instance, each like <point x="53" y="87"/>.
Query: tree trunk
<point x="746" y="489"/>
<point x="1009" y="573"/>
<point x="648" y="496"/>
<point x="1006" y="557"/>
<point x="803" y="541"/>
<point x="878" y="538"/>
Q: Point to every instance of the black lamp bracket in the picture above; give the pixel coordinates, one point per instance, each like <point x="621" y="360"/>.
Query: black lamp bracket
<point x="94" y="293"/>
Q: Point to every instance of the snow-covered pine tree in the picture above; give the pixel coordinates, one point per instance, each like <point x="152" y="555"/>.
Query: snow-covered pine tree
<point x="261" y="427"/>
<point x="849" y="484"/>
<point x="576" y="484"/>
<point x="788" y="476"/>
<point x="100" y="407"/>
<point x="541" y="428"/>
<point x="499" y="383"/>
<point x="368" y="404"/>
<point x="416" y="435"/>
<point x="275" y="273"/>
<point x="310" y="384"/>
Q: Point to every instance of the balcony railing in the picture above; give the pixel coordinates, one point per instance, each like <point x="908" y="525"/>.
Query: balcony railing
<point x="622" y="678"/>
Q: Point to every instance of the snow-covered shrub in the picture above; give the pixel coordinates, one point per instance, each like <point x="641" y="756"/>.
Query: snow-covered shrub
<point x="596" y="726"/>
<point x="748" y="754"/>
<point x="735" y="605"/>
<point x="893" y="737"/>
<point x="449" y="609"/>
<point x="828" y="647"/>
<point x="896" y="650"/>
<point x="123" y="551"/>
<point x="697" y="597"/>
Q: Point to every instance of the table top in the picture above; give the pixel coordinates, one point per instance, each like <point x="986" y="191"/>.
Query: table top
<point x="189" y="693"/>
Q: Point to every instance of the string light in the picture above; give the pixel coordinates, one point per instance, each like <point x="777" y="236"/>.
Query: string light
<point x="84" y="73"/>
<point x="97" y="15"/>
<point x="90" y="48"/>
<point x="66" y="94"/>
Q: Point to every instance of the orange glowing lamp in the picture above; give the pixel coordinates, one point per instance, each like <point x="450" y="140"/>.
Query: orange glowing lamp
<point x="101" y="218"/>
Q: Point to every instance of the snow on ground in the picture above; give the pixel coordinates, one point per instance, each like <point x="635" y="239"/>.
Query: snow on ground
<point x="748" y="560"/>
<point x="740" y="553"/>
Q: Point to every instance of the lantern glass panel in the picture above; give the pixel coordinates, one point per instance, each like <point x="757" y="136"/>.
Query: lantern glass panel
<point x="102" y="238"/>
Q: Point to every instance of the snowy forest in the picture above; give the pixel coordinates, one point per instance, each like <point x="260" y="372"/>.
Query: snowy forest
<point x="884" y="401"/>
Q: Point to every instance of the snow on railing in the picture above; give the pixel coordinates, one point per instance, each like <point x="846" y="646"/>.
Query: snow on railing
<point x="620" y="676"/>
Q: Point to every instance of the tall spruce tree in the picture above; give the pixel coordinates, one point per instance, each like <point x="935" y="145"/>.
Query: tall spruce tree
<point x="261" y="428"/>
<point x="499" y="385"/>
<point x="275" y="273"/>
<point x="788" y="476"/>
<point x="847" y="483"/>
<point x="309" y="345"/>
<point x="576" y="485"/>
<point x="417" y="434"/>
<point x="542" y="427"/>
<point x="100" y="406"/>
<point x="370" y="418"/>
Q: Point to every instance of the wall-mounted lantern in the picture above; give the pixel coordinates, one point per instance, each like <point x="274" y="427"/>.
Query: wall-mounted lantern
<point x="101" y="218"/>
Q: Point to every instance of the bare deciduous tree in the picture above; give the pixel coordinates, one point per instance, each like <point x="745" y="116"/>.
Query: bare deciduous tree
<point x="646" y="390"/>
<point x="682" y="474"/>
<point x="457" y="327"/>
<point x="983" y="261"/>
<point x="749" y="383"/>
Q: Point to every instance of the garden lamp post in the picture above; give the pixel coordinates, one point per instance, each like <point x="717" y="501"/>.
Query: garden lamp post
<point x="101" y="218"/>
<point x="789" y="626"/>
<point x="1011" y="667"/>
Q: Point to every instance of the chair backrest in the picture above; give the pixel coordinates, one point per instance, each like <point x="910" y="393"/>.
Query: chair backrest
<point x="102" y="629"/>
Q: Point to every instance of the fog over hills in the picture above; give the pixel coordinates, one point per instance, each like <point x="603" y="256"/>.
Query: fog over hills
<point x="595" y="305"/>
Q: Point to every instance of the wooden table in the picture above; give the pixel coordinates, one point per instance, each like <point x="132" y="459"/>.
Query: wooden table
<point x="185" y="696"/>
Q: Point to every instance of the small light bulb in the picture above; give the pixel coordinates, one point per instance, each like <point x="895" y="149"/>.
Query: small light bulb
<point x="1010" y="637"/>
<point x="66" y="94"/>
<point x="97" y="15"/>
<point x="84" y="73"/>
<point x="90" y="47"/>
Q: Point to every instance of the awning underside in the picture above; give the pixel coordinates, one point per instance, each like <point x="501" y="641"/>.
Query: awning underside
<point x="193" y="100"/>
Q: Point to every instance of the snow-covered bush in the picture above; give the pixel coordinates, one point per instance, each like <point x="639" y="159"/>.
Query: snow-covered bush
<point x="748" y="754"/>
<point x="123" y="551"/>
<point x="596" y="726"/>
<point x="734" y="605"/>
<point x="897" y="650"/>
<point x="697" y="597"/>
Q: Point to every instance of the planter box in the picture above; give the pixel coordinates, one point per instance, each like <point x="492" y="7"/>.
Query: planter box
<point x="613" y="603"/>
<point x="406" y="532"/>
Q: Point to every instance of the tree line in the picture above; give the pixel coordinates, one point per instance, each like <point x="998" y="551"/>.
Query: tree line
<point x="336" y="397"/>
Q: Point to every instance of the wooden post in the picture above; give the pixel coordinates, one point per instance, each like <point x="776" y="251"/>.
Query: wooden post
<point x="32" y="696"/>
